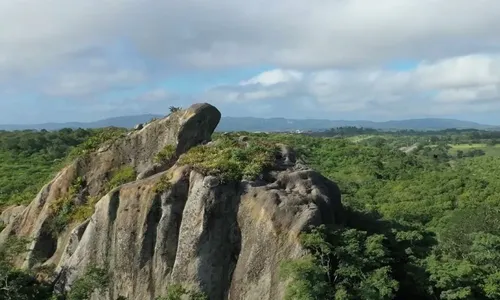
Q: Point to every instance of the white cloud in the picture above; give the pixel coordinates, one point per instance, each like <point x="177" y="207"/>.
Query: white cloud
<point x="328" y="55"/>
<point x="88" y="83"/>
<point x="273" y="77"/>
<point x="432" y="88"/>
<point x="154" y="95"/>
<point x="287" y="33"/>
<point x="471" y="70"/>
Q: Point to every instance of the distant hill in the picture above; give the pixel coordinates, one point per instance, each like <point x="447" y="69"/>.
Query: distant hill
<point x="271" y="124"/>
<point x="282" y="124"/>
<point x="125" y="121"/>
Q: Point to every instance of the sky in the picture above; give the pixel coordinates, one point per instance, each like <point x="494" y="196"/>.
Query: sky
<point x="84" y="60"/>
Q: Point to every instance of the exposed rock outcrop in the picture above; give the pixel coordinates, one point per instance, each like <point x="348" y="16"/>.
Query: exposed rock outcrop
<point x="225" y="238"/>
<point x="183" y="129"/>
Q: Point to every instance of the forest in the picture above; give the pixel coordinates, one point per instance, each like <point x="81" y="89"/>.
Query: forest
<point x="422" y="216"/>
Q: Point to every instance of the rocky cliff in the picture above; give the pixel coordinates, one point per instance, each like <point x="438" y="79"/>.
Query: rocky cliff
<point x="178" y="220"/>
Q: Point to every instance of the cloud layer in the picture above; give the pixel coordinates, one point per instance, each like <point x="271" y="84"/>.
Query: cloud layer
<point x="218" y="33"/>
<point x="448" y="86"/>
<point x="332" y="54"/>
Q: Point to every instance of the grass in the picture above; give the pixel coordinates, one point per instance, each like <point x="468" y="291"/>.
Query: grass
<point x="166" y="154"/>
<point x="121" y="176"/>
<point x="85" y="211"/>
<point x="164" y="183"/>
<point x="231" y="160"/>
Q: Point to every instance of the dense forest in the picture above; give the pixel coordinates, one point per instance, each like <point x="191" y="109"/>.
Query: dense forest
<point x="422" y="216"/>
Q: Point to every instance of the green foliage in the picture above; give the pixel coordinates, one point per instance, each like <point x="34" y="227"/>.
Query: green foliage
<point x="166" y="154"/>
<point x="179" y="292"/>
<point x="344" y="264"/>
<point x="308" y="279"/>
<point x="174" y="109"/>
<point x="94" y="279"/>
<point x="99" y="138"/>
<point x="419" y="225"/>
<point x="84" y="211"/>
<point x="231" y="159"/>
<point x="163" y="184"/>
<point x="29" y="159"/>
<point x="121" y="176"/>
<point x="16" y="284"/>
<point x="64" y="207"/>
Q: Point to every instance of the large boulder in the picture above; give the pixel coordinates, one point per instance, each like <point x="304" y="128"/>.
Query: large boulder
<point x="226" y="240"/>
<point x="174" y="223"/>
<point x="182" y="129"/>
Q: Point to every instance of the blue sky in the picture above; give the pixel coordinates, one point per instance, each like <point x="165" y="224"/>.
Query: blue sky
<point x="350" y="59"/>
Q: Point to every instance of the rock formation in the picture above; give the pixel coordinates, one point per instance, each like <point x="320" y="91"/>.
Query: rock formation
<point x="173" y="224"/>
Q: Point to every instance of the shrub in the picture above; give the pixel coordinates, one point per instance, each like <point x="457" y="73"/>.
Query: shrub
<point x="16" y="283"/>
<point x="177" y="291"/>
<point x="163" y="184"/>
<point x="63" y="207"/>
<point x="230" y="159"/>
<point x="94" y="279"/>
<point x="93" y="143"/>
<point x="174" y="109"/>
<point x="83" y="212"/>
<point x="121" y="176"/>
<point x="166" y="154"/>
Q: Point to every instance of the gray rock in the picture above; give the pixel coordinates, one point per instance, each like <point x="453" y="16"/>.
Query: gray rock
<point x="184" y="129"/>
<point x="151" y="170"/>
<point x="208" y="237"/>
<point x="243" y="138"/>
<point x="10" y="213"/>
<point x="211" y="182"/>
<point x="227" y="240"/>
<point x="139" y="126"/>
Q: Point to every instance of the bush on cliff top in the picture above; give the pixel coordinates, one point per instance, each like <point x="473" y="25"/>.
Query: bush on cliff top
<point x="230" y="159"/>
<point x="93" y="143"/>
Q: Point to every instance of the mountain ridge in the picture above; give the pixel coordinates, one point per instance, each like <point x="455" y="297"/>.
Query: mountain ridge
<point x="268" y="124"/>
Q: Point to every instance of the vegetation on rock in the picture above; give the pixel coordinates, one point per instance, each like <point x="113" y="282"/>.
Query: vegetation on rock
<point x="231" y="159"/>
<point x="94" y="279"/>
<point x="64" y="208"/>
<point x="122" y="175"/>
<point x="179" y="292"/>
<point x="174" y="109"/>
<point x="163" y="183"/>
<point x="98" y="139"/>
<point x="166" y="154"/>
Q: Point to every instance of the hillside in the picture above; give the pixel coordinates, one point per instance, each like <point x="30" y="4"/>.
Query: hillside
<point x="420" y="224"/>
<point x="164" y="206"/>
<point x="272" y="124"/>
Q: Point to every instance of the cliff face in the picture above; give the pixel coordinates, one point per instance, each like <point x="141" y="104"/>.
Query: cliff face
<point x="173" y="224"/>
